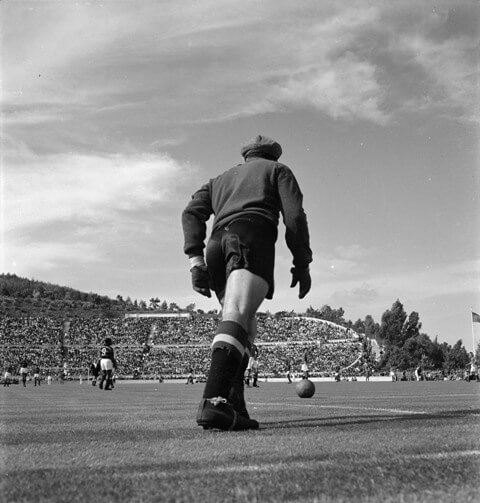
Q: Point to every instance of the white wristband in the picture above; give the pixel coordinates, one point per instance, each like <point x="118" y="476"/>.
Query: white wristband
<point x="197" y="261"/>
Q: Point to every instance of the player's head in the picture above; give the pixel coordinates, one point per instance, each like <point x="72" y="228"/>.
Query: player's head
<point x="262" y="146"/>
<point x="107" y="341"/>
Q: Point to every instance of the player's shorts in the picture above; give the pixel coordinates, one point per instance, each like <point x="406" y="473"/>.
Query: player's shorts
<point x="36" y="376"/>
<point x="23" y="370"/>
<point x="8" y="375"/>
<point x="106" y="364"/>
<point x="246" y="243"/>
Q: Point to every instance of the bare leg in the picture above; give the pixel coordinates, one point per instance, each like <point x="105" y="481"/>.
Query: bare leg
<point x="244" y="294"/>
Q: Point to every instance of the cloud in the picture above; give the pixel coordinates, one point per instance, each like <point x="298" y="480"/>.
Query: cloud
<point x="452" y="69"/>
<point x="63" y="212"/>
<point x="346" y="89"/>
<point x="91" y="188"/>
<point x="147" y="67"/>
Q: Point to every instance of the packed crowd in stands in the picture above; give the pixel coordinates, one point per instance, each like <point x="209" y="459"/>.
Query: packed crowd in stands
<point x="32" y="332"/>
<point x="197" y="329"/>
<point x="272" y="329"/>
<point x="170" y="346"/>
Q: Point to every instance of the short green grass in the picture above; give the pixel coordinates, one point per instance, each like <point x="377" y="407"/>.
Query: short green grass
<point x="351" y="442"/>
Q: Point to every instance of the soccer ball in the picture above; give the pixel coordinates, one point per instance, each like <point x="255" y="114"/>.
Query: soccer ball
<point x="305" y="388"/>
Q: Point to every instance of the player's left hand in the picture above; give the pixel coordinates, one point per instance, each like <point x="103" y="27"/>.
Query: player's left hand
<point x="201" y="280"/>
<point x="301" y="276"/>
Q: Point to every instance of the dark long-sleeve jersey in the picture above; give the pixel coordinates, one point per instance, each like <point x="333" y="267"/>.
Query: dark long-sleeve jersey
<point x="258" y="187"/>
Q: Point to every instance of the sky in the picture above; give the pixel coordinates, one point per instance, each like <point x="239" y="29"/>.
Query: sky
<point x="113" y="113"/>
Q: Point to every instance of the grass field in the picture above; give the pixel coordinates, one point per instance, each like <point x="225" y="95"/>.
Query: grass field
<point x="351" y="442"/>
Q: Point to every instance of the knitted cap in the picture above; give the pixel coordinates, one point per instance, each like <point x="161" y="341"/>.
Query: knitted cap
<point x="262" y="146"/>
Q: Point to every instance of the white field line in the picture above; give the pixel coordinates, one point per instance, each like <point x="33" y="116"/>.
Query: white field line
<point x="316" y="406"/>
<point x="266" y="467"/>
<point x="269" y="467"/>
<point x="442" y="455"/>
<point x="309" y="465"/>
<point x="382" y="397"/>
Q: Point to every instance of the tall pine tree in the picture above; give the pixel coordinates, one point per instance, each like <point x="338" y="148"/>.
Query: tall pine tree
<point x="391" y="327"/>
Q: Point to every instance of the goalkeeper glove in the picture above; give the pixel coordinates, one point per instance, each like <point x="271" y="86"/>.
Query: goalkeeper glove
<point x="201" y="280"/>
<point x="301" y="276"/>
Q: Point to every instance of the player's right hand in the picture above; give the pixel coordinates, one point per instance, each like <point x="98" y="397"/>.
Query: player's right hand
<point x="201" y="280"/>
<point x="301" y="276"/>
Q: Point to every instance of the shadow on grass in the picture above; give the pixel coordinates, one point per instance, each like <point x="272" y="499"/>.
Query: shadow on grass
<point x="367" y="419"/>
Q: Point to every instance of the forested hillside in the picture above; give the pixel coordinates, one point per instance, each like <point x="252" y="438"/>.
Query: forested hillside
<point x="21" y="297"/>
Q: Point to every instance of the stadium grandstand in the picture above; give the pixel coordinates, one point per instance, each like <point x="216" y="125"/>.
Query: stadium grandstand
<point x="170" y="345"/>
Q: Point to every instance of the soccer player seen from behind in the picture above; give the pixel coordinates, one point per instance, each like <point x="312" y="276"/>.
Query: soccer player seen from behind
<point x="246" y="202"/>
<point x="107" y="364"/>
<point x="24" y="373"/>
<point x="36" y="376"/>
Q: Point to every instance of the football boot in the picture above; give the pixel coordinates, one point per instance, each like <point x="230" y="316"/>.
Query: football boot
<point x="218" y="413"/>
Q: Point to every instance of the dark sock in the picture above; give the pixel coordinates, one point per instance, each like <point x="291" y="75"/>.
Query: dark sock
<point x="227" y="355"/>
<point x="223" y="369"/>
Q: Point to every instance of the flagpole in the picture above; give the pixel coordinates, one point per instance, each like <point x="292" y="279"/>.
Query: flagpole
<point x="473" y="332"/>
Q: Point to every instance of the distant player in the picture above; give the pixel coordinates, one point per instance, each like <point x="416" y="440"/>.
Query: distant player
<point x="252" y="367"/>
<point x="338" y="375"/>
<point x="95" y="371"/>
<point x="473" y="372"/>
<point x="288" y="373"/>
<point x="107" y="365"/>
<point x="368" y="373"/>
<point x="24" y="373"/>
<point x="36" y="376"/>
<point x="190" y="377"/>
<point x="7" y="379"/>
<point x="419" y="374"/>
<point x="393" y="375"/>
<point x="304" y="367"/>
